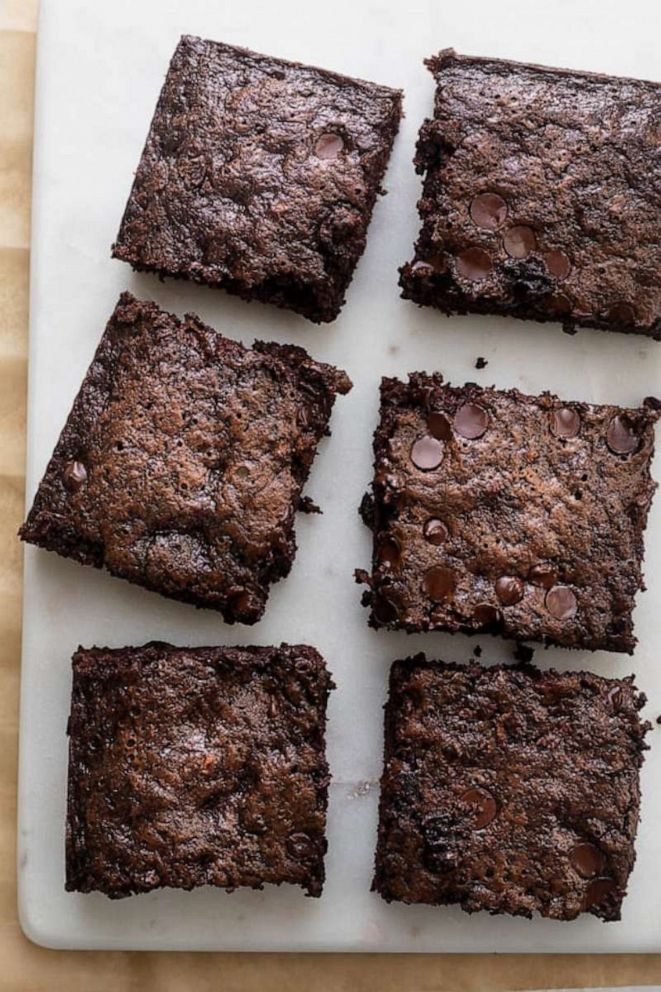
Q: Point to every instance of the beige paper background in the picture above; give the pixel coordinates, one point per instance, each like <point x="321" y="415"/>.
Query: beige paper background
<point x="27" y="968"/>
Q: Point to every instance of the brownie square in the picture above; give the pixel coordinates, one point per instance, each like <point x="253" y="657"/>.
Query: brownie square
<point x="496" y="511"/>
<point x="183" y="459"/>
<point x="540" y="196"/>
<point x="509" y="789"/>
<point x="259" y="176"/>
<point x="196" y="766"/>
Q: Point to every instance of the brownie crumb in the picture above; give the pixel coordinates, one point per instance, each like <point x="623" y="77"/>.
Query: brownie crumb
<point x="523" y="653"/>
<point x="477" y="651"/>
<point x="481" y="363"/>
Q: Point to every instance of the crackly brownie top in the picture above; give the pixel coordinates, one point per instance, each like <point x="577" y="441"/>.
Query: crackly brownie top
<point x="493" y="510"/>
<point x="259" y="174"/>
<point x="509" y="789"/>
<point x="182" y="462"/>
<point x="541" y="195"/>
<point x="194" y="766"/>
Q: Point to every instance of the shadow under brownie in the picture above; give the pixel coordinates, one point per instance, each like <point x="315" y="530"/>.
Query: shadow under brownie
<point x="182" y="462"/>
<point x="197" y="766"/>
<point x="539" y="196"/>
<point x="496" y="511"/>
<point x="259" y="176"/>
<point x="509" y="789"/>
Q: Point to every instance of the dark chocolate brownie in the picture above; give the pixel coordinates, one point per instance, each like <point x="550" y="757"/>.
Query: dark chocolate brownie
<point x="496" y="511"/>
<point x="259" y="176"/>
<point x="183" y="459"/>
<point x="196" y="766"/>
<point x="541" y="196"/>
<point x="509" y="789"/>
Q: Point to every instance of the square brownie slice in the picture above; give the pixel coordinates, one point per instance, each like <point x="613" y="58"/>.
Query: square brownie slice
<point x="509" y="789"/>
<point x="196" y="766"/>
<point x="183" y="459"/>
<point x="259" y="176"/>
<point x="496" y="511"/>
<point x="540" y="197"/>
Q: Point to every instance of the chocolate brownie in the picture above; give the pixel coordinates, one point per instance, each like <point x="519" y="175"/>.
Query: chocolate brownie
<point x="496" y="511"/>
<point x="540" y="196"/>
<point x="509" y="789"/>
<point x="196" y="766"/>
<point x="259" y="176"/>
<point x="183" y="459"/>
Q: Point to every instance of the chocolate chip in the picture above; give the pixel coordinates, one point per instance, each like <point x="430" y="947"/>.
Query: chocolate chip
<point x="587" y="860"/>
<point x="427" y="453"/>
<point x="483" y="806"/>
<point x="509" y="589"/>
<point x="385" y="609"/>
<point x="301" y="846"/>
<point x="622" y="313"/>
<point x="557" y="303"/>
<point x="435" y="531"/>
<point x="565" y="422"/>
<point x="389" y="551"/>
<point x="519" y="241"/>
<point x="620" y="438"/>
<point x="597" y="890"/>
<point x="471" y="421"/>
<point x="488" y="210"/>
<point x="561" y="602"/>
<point x="74" y="475"/>
<point x="485" y="615"/>
<point x="439" y="427"/>
<point x="328" y="146"/>
<point x="474" y="264"/>
<point x="557" y="263"/>
<point x="543" y="575"/>
<point x="439" y="584"/>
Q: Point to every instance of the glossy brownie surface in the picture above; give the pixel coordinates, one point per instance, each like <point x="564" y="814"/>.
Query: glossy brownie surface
<point x="496" y="511"/>
<point x="259" y="176"/>
<point x="540" y="196"/>
<point x="509" y="789"/>
<point x="196" y="766"/>
<point x="182" y="462"/>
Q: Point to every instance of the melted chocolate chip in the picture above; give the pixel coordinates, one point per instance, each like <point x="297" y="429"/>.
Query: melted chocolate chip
<point x="328" y="146"/>
<point x="561" y="602"/>
<point x="543" y="575"/>
<point x="427" y="453"/>
<point x="565" y="422"/>
<point x="389" y="551"/>
<point x="557" y="303"/>
<point x="622" y="313"/>
<point x="74" y="475"/>
<point x="385" y="608"/>
<point x="483" y="806"/>
<point x="435" y="531"/>
<point x="471" y="421"/>
<point x="597" y="890"/>
<point x="439" y="427"/>
<point x="509" y="589"/>
<point x="557" y="263"/>
<point x="519" y="241"/>
<point x="587" y="860"/>
<point x="439" y="584"/>
<point x="301" y="846"/>
<point x="474" y="264"/>
<point x="488" y="210"/>
<point x="620" y="438"/>
<point x="486" y="615"/>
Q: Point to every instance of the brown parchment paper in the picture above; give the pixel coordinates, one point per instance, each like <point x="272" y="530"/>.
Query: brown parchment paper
<point x="27" y="968"/>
